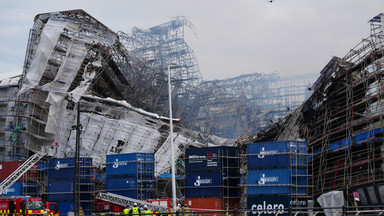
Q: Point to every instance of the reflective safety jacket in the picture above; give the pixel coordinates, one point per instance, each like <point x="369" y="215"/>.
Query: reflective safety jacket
<point x="135" y="211"/>
<point x="146" y="213"/>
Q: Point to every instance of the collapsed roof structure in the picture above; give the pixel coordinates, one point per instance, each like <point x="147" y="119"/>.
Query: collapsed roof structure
<point x="248" y="103"/>
<point x="75" y="62"/>
<point x="343" y="122"/>
<point x="117" y="83"/>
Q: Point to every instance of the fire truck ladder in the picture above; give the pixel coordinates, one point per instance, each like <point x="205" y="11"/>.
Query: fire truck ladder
<point x="28" y="164"/>
<point x="123" y="201"/>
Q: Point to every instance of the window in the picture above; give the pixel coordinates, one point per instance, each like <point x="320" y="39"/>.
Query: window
<point x="35" y="205"/>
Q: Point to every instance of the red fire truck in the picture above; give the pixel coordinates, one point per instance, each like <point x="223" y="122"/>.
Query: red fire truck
<point x="52" y="208"/>
<point x="26" y="206"/>
<point x="165" y="202"/>
<point x="104" y="206"/>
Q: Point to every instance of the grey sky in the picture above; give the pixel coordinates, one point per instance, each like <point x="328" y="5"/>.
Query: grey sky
<point x="234" y="36"/>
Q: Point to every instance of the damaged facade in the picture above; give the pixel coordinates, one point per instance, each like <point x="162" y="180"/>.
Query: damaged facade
<point x="74" y="60"/>
<point x="119" y="83"/>
<point x="343" y="122"/>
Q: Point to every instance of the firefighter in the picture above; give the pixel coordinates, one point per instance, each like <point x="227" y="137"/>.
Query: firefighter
<point x="81" y="212"/>
<point x="186" y="209"/>
<point x="180" y="209"/>
<point x="146" y="211"/>
<point x="135" y="211"/>
<point x="126" y="210"/>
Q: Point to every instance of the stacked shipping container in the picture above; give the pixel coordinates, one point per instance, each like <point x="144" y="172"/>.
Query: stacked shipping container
<point x="212" y="177"/>
<point x="61" y="172"/>
<point x="277" y="175"/>
<point x="25" y="185"/>
<point x="131" y="175"/>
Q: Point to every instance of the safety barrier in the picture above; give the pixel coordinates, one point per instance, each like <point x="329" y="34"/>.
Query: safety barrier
<point x="315" y="211"/>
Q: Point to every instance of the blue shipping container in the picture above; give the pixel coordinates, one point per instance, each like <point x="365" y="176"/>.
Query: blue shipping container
<point x="65" y="207"/>
<point x="62" y="168"/>
<point x="203" y="179"/>
<point x="130" y="164"/>
<point x="269" y="177"/>
<point x="277" y="154"/>
<point x="63" y="190"/>
<point x="125" y="183"/>
<point x="209" y="184"/>
<point x="277" y="181"/>
<point x="31" y="188"/>
<point x="15" y="190"/>
<point x="42" y="166"/>
<point x="271" y="205"/>
<point x="211" y="158"/>
<point x="121" y="183"/>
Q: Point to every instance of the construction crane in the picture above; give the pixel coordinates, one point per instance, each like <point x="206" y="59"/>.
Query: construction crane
<point x="28" y="164"/>
<point x="123" y="201"/>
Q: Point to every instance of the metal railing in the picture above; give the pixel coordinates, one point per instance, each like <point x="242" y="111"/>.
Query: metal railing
<point x="315" y="211"/>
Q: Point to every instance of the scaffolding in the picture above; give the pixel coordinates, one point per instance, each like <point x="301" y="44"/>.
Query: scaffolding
<point x="120" y="82"/>
<point x="343" y="122"/>
<point x="248" y="103"/>
<point x="164" y="46"/>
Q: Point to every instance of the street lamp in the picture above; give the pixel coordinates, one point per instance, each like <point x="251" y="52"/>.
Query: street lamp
<point x="171" y="137"/>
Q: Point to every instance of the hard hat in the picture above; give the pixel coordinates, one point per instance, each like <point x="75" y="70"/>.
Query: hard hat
<point x="127" y="205"/>
<point x="179" y="205"/>
<point x="145" y="206"/>
<point x="135" y="204"/>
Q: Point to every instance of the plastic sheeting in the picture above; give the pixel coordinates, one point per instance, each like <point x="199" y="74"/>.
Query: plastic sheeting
<point x="102" y="132"/>
<point x="56" y="101"/>
<point x="48" y="40"/>
<point x="63" y="47"/>
<point x="330" y="201"/>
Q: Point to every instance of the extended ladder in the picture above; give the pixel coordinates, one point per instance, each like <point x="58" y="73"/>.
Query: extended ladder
<point x="123" y="201"/>
<point x="28" y="164"/>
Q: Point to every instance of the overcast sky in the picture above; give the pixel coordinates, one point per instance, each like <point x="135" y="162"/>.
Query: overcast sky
<point x="234" y="37"/>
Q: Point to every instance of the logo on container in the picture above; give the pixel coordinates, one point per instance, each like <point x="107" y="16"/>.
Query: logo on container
<point x="9" y="190"/>
<point x="200" y="181"/>
<point x="267" y="208"/>
<point x="196" y="158"/>
<point x="299" y="203"/>
<point x="212" y="159"/>
<point x="264" y="179"/>
<point x="209" y="155"/>
<point x="117" y="163"/>
<point x="60" y="165"/>
<point x="263" y="153"/>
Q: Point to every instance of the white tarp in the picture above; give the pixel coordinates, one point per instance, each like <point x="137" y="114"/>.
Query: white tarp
<point x="108" y="126"/>
<point x="330" y="201"/>
<point x="48" y="40"/>
<point x="56" y="101"/>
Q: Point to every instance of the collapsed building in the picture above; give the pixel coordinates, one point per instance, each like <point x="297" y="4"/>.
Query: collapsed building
<point x="248" y="103"/>
<point x="117" y="84"/>
<point x="75" y="63"/>
<point x="342" y="123"/>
